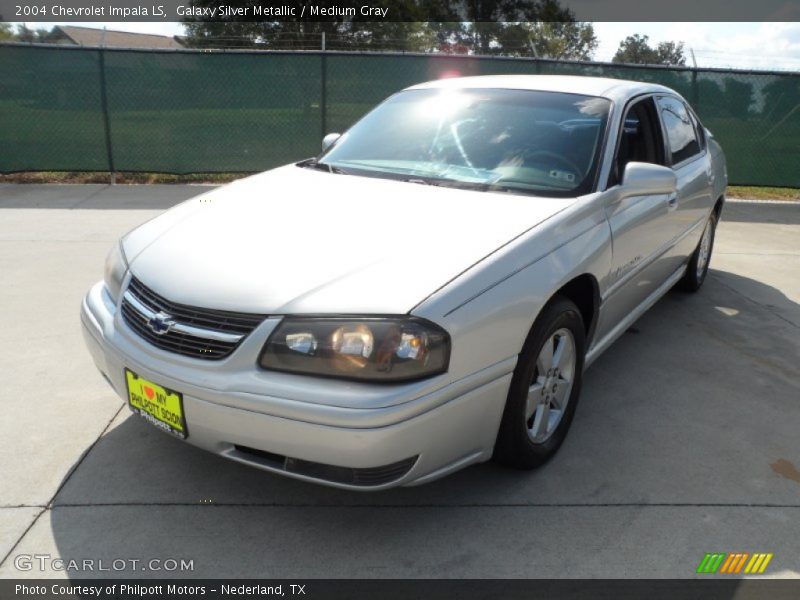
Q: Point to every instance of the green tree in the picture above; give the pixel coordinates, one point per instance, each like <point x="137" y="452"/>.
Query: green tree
<point x="636" y="49"/>
<point x="670" y="53"/>
<point x="342" y="33"/>
<point x="25" y="34"/>
<point x="513" y="28"/>
<point x="504" y="27"/>
<point x="563" y="40"/>
<point x="559" y="40"/>
<point x="6" y="34"/>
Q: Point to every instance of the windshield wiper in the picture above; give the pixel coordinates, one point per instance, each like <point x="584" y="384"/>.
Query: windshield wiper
<point x="463" y="185"/>
<point x="313" y="163"/>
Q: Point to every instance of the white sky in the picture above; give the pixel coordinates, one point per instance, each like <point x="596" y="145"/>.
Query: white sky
<point x="735" y="45"/>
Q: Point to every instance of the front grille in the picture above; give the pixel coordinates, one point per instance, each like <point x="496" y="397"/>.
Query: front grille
<point x="363" y="477"/>
<point x="203" y="322"/>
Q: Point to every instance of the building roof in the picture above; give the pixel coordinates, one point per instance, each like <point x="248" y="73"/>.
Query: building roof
<point x="90" y="36"/>
<point x="615" y="89"/>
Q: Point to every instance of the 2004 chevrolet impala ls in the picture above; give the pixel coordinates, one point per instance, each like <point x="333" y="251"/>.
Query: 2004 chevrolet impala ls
<point x="423" y="295"/>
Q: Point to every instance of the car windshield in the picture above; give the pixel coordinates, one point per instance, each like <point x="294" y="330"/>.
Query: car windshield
<point x="541" y="143"/>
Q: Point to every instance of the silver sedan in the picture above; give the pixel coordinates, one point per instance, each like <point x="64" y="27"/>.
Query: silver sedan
<point x="423" y="295"/>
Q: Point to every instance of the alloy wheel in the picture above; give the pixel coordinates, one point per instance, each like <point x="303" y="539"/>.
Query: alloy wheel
<point x="704" y="251"/>
<point x="550" y="389"/>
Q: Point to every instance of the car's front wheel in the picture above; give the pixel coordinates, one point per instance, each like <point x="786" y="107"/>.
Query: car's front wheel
<point x="544" y="389"/>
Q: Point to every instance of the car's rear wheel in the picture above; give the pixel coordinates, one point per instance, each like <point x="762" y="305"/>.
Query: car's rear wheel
<point x="697" y="269"/>
<point x="544" y="389"/>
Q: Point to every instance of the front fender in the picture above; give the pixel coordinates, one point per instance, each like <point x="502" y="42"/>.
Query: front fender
<point x="490" y="310"/>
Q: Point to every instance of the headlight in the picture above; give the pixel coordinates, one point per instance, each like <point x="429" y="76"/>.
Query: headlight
<point x="369" y="349"/>
<point x="116" y="267"/>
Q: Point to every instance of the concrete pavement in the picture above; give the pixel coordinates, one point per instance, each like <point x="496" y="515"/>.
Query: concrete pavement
<point x="680" y="445"/>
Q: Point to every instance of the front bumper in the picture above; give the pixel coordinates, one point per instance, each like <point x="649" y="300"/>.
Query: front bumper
<point x="237" y="411"/>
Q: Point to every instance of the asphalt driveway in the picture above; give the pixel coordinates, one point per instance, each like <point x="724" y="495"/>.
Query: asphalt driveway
<point x="687" y="439"/>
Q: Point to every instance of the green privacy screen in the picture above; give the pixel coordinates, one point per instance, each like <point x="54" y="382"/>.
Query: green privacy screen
<point x="85" y="109"/>
<point x="51" y="116"/>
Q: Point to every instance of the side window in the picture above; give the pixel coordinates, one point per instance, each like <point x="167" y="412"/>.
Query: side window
<point x="681" y="136"/>
<point x="698" y="127"/>
<point x="640" y="139"/>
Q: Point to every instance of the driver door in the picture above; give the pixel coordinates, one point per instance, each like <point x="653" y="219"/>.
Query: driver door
<point x="639" y="225"/>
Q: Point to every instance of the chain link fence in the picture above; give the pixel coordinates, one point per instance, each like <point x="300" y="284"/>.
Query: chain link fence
<point x="90" y="109"/>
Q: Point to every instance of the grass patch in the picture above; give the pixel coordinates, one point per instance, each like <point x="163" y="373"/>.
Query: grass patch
<point x="122" y="178"/>
<point x="763" y="193"/>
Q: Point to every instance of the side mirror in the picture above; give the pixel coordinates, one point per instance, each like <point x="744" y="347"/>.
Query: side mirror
<point x="329" y="140"/>
<point x="646" y="179"/>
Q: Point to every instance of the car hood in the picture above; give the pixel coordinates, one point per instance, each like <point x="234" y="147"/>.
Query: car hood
<point x="296" y="240"/>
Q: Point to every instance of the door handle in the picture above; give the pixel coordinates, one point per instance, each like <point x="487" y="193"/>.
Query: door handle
<point x="672" y="201"/>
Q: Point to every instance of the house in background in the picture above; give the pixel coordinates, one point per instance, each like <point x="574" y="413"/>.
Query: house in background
<point x="69" y="35"/>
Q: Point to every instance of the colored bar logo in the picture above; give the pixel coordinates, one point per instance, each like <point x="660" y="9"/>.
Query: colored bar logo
<point x="734" y="563"/>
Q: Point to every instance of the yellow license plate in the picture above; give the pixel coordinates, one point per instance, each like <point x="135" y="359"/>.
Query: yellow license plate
<point x="156" y="404"/>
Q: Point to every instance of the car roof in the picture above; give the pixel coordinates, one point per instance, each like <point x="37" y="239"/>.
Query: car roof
<point x="604" y="87"/>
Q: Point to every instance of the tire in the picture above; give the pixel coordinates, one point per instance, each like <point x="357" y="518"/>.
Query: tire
<point x="528" y="435"/>
<point x="697" y="269"/>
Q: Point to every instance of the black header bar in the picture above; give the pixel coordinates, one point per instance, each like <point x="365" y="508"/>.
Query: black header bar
<point x="393" y="589"/>
<point x="398" y="11"/>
